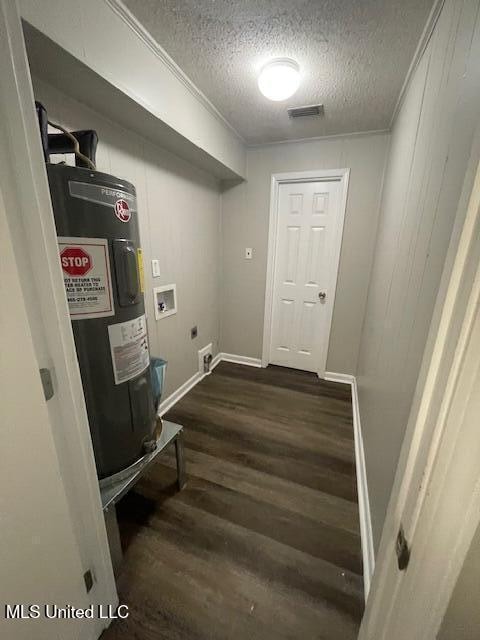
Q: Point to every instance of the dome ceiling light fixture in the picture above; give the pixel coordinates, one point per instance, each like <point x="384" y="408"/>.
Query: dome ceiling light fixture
<point x="279" y="79"/>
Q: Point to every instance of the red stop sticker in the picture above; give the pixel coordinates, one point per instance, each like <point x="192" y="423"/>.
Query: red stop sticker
<point x="75" y="261"/>
<point x="122" y="210"/>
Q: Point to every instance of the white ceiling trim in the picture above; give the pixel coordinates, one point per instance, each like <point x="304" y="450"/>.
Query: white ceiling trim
<point x="420" y="50"/>
<point x="131" y="21"/>
<point x="353" y="134"/>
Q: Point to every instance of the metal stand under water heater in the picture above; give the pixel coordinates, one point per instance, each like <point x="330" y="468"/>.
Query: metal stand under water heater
<point x="101" y="259"/>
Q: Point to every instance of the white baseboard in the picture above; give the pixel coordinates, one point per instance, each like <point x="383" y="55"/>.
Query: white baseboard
<point x="251" y="362"/>
<point x="362" y="486"/>
<point x="173" y="398"/>
<point x="366" y="534"/>
<point x="344" y="378"/>
<point x="216" y="360"/>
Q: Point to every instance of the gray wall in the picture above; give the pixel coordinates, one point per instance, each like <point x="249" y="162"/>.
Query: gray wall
<point x="428" y="158"/>
<point x="462" y="618"/>
<point x="179" y="214"/>
<point x="245" y="224"/>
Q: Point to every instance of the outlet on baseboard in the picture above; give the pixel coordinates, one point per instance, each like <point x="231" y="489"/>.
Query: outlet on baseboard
<point x="206" y="351"/>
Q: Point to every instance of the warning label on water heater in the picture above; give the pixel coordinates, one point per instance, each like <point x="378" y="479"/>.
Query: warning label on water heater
<point x="86" y="275"/>
<point x="129" y="348"/>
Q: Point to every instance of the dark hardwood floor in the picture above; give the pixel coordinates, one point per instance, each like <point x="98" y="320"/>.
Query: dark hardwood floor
<point x="263" y="543"/>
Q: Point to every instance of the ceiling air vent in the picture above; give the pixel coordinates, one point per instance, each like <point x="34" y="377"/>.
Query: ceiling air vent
<point x="303" y="112"/>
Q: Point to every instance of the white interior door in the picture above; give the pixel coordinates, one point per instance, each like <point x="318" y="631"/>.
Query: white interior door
<point x="436" y="494"/>
<point x="39" y="557"/>
<point x="306" y="264"/>
<point x="52" y="528"/>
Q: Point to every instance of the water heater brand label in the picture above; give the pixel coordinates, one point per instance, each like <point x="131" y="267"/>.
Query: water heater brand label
<point x="122" y="202"/>
<point x="86" y="275"/>
<point x="129" y="348"/>
<point x="122" y="210"/>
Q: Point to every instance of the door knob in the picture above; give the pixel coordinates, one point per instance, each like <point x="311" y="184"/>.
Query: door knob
<point x="322" y="295"/>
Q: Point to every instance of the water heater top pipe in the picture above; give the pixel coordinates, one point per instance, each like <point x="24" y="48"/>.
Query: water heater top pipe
<point x="82" y="143"/>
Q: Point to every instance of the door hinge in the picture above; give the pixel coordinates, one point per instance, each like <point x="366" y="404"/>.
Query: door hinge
<point x="88" y="579"/>
<point x="47" y="383"/>
<point x="402" y="549"/>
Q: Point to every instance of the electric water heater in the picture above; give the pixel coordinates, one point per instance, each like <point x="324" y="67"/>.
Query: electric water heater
<point x="101" y="260"/>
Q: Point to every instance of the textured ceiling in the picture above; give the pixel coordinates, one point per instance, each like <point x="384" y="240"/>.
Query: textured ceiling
<point x="354" y="56"/>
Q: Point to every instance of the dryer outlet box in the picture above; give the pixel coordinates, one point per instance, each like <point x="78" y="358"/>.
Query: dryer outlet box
<point x="202" y="361"/>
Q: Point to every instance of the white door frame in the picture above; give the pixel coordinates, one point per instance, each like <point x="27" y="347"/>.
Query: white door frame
<point x="436" y="493"/>
<point x="30" y="219"/>
<point x="326" y="175"/>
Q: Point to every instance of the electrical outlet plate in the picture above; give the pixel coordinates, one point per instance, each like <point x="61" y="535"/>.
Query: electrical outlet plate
<point x="202" y="353"/>
<point x="155" y="268"/>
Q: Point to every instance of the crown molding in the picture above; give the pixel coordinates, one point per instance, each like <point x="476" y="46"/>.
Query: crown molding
<point x="417" y="56"/>
<point x="333" y="136"/>
<point x="119" y="8"/>
<point x="131" y="21"/>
